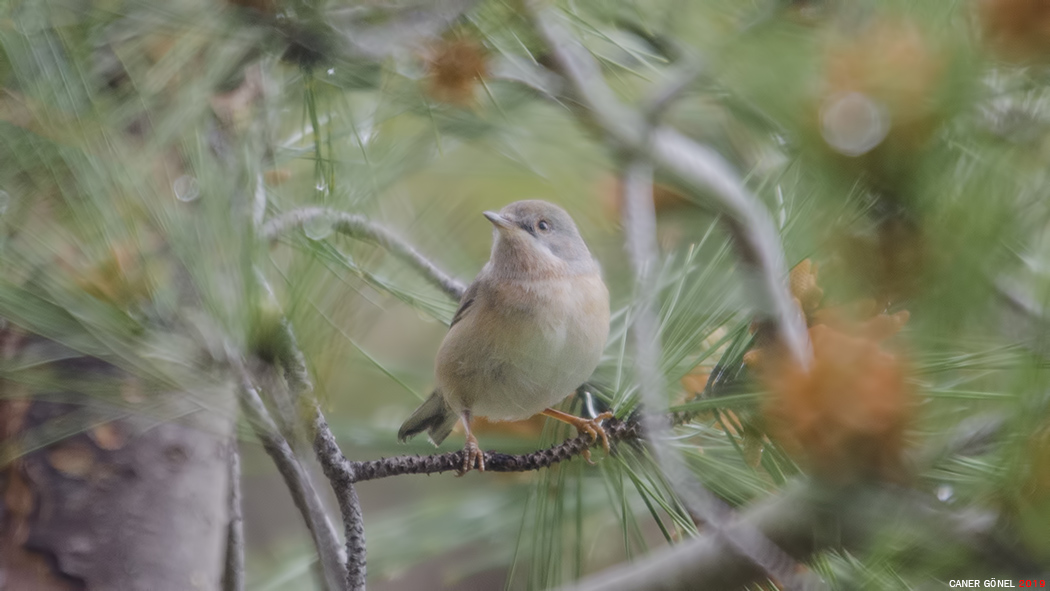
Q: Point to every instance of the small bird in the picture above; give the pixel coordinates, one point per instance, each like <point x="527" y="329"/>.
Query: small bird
<point x="529" y="330"/>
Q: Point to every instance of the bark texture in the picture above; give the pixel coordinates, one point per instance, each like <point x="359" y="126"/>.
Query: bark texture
<point x="107" y="492"/>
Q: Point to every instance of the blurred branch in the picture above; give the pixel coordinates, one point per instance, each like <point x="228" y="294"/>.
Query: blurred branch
<point x="361" y="228"/>
<point x="517" y="69"/>
<point x="1018" y="301"/>
<point x="1029" y="323"/>
<point x="697" y="167"/>
<point x="705" y="562"/>
<point x="796" y="519"/>
<point x="364" y="33"/>
<point x="971" y="437"/>
<point x="639" y="222"/>
<point x="233" y="574"/>
<point x="804" y="519"/>
<point x="664" y="96"/>
<point x="378" y="30"/>
<point x="296" y="478"/>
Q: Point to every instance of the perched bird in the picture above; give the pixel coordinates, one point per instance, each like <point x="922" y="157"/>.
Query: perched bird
<point x="529" y="330"/>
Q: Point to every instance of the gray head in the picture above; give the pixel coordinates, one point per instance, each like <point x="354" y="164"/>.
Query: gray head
<point x="537" y="238"/>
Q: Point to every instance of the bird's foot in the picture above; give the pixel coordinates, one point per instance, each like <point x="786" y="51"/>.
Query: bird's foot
<point x="591" y="427"/>
<point x="472" y="456"/>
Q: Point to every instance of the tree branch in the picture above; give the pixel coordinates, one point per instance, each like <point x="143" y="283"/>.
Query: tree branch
<point x="705" y="562"/>
<point x="790" y="520"/>
<point x="697" y="167"/>
<point x="361" y="228"/>
<point x="233" y="573"/>
<point x="970" y="437"/>
<point x="617" y="431"/>
<point x="333" y="463"/>
<point x="803" y="519"/>
<point x="342" y="474"/>
<point x="296" y="478"/>
<point x="639" y="222"/>
<point x="665" y="95"/>
<point x="1027" y="323"/>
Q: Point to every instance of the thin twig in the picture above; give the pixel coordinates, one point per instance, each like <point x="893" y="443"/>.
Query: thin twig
<point x="795" y="519"/>
<point x="700" y="169"/>
<point x="342" y="475"/>
<point x="616" y="430"/>
<point x="961" y="442"/>
<point x="619" y="432"/>
<point x="338" y="471"/>
<point x="361" y="228"/>
<point x="336" y="468"/>
<point x="296" y="478"/>
<point x="233" y="573"/>
<point x="639" y="222"/>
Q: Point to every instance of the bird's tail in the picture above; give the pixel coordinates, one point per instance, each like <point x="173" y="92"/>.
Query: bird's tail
<point x="433" y="416"/>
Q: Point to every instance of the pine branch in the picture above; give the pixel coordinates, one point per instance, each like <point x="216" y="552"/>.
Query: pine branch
<point x="806" y="518"/>
<point x="706" y="562"/>
<point x="1026" y="322"/>
<point x="342" y="474"/>
<point x="639" y="222"/>
<point x="698" y="168"/>
<point x="336" y="468"/>
<point x="795" y="518"/>
<point x="618" y="432"/>
<point x="233" y="573"/>
<point x="296" y="478"/>
<point x="667" y="94"/>
<point x="361" y="228"/>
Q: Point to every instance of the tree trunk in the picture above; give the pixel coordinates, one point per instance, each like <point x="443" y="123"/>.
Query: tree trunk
<point x="107" y="492"/>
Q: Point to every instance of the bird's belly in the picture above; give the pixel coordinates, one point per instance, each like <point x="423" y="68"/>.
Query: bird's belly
<point x="519" y="390"/>
<point x="533" y="362"/>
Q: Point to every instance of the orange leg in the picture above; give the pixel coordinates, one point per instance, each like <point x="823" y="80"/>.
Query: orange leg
<point x="592" y="427"/>
<point x="472" y="454"/>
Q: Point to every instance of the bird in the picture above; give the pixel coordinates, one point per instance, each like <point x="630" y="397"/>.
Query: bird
<point x="529" y="330"/>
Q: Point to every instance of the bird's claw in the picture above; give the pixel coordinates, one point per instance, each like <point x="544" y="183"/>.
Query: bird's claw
<point x="472" y="456"/>
<point x="586" y="453"/>
<point x="593" y="428"/>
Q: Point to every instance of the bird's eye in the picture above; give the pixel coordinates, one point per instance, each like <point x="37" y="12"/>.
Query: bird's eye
<point x="544" y="226"/>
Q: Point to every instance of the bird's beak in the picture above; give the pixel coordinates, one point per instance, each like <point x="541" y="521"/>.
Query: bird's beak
<point x="499" y="221"/>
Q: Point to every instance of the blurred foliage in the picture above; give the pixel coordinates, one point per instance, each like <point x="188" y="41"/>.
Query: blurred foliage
<point x="901" y="146"/>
